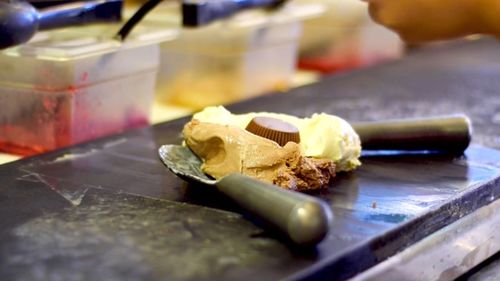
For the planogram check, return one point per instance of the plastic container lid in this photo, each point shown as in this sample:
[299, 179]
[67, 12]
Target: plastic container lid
[81, 56]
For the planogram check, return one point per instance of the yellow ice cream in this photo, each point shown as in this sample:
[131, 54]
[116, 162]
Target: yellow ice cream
[321, 135]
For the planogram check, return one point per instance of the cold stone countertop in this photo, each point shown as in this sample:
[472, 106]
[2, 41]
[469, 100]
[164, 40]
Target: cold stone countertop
[109, 209]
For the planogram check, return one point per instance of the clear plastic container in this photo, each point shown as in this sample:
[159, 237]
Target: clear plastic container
[250, 54]
[74, 85]
[344, 37]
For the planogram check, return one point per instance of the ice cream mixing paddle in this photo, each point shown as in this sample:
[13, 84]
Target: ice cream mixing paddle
[19, 20]
[302, 218]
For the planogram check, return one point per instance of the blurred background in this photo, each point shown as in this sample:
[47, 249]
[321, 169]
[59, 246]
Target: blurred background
[76, 78]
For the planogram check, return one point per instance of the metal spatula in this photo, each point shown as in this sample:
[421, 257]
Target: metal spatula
[302, 218]
[19, 20]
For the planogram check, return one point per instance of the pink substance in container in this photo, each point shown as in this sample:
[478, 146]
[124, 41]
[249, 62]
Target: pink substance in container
[71, 87]
[76, 115]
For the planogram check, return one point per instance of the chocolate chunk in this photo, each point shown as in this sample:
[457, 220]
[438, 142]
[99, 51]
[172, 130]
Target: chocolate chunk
[274, 129]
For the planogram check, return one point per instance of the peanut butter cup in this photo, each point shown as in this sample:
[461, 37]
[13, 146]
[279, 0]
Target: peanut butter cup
[274, 129]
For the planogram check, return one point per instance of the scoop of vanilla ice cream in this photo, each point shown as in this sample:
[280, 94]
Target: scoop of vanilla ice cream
[321, 135]
[328, 136]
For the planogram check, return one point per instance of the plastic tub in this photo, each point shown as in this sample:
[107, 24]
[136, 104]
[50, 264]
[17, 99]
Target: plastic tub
[252, 53]
[70, 86]
[344, 37]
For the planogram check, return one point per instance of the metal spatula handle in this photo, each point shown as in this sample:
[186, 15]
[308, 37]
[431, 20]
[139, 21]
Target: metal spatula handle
[447, 133]
[80, 13]
[197, 13]
[303, 218]
[19, 20]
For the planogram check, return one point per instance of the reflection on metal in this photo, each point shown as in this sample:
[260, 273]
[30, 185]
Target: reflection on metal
[446, 254]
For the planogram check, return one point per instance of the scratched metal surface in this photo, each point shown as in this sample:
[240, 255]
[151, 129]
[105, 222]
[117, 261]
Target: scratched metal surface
[109, 210]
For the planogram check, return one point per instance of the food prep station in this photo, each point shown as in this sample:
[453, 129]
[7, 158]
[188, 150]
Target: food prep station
[89, 198]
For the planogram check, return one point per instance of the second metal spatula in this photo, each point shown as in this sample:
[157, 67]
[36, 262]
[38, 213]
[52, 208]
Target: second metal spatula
[20, 21]
[445, 134]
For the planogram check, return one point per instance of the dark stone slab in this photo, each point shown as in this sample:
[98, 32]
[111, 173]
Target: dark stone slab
[109, 210]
